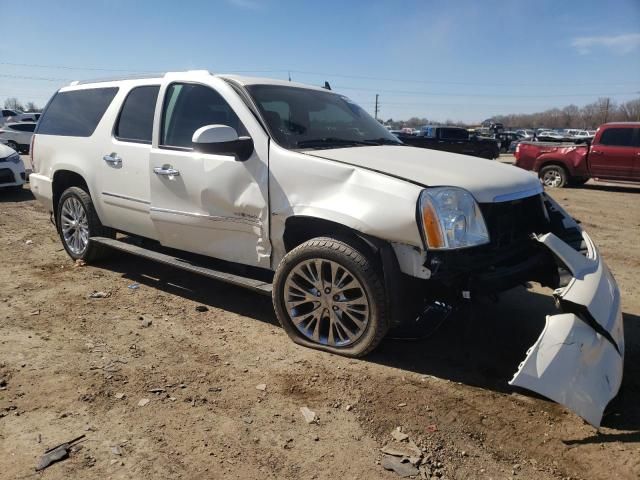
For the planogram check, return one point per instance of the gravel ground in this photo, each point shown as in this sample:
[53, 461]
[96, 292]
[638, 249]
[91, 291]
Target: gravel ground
[162, 390]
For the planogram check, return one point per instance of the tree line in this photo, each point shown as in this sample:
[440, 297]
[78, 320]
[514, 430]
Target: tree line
[588, 117]
[13, 103]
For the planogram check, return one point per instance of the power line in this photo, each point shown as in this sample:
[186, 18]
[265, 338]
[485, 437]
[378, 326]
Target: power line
[449, 82]
[451, 94]
[326, 75]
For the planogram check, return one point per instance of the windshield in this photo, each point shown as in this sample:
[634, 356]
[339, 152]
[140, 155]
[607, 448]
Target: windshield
[305, 118]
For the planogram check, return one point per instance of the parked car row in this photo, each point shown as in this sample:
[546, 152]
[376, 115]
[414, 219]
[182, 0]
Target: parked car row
[17, 135]
[16, 129]
[452, 139]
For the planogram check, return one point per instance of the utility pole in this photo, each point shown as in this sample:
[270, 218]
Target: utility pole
[606, 111]
[376, 109]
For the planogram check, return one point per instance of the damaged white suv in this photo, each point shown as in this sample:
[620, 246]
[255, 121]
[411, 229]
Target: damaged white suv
[309, 199]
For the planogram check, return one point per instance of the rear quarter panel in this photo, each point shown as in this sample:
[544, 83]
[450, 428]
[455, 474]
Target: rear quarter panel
[531, 156]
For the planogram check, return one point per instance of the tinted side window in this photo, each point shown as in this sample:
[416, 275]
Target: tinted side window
[76, 113]
[620, 137]
[135, 123]
[29, 127]
[454, 134]
[188, 107]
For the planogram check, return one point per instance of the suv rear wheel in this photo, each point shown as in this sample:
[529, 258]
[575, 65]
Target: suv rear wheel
[328, 295]
[77, 221]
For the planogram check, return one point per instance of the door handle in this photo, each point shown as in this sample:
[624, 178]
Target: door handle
[113, 159]
[167, 171]
[596, 152]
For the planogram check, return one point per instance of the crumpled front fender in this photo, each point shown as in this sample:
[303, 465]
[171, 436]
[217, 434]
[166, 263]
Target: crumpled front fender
[578, 359]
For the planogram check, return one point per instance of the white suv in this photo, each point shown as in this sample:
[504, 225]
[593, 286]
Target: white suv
[348, 229]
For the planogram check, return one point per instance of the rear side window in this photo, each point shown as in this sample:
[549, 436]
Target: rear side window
[135, 123]
[187, 107]
[76, 113]
[23, 127]
[619, 137]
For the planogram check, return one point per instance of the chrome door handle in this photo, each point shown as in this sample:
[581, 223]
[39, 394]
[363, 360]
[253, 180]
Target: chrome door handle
[166, 170]
[596, 152]
[113, 159]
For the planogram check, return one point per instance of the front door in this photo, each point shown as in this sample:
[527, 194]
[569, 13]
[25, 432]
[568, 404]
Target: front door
[614, 154]
[205, 203]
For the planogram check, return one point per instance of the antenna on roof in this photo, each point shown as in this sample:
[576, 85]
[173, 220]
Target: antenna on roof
[289, 76]
[327, 86]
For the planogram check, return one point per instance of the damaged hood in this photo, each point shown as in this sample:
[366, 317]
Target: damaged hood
[488, 181]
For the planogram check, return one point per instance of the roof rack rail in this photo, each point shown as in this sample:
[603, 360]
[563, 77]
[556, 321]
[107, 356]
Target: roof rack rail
[115, 79]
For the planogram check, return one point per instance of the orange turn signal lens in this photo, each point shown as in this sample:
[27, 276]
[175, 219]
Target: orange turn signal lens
[431, 225]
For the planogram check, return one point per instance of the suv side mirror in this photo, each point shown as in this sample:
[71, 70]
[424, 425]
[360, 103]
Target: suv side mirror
[222, 140]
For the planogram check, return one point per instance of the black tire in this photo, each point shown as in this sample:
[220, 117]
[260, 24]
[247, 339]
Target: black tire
[554, 176]
[92, 251]
[357, 262]
[13, 145]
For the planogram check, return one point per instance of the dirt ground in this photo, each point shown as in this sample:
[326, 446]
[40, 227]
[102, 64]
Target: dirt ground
[71, 365]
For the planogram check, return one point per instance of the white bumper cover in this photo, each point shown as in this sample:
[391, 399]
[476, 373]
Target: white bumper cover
[577, 361]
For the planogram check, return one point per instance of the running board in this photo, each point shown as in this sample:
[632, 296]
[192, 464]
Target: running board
[250, 283]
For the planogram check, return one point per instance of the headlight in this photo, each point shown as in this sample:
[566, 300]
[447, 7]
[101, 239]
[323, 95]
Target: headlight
[14, 157]
[451, 218]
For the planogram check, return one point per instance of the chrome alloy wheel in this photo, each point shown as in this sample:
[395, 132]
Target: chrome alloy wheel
[326, 302]
[74, 225]
[552, 178]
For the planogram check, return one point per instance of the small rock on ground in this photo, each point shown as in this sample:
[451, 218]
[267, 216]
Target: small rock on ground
[403, 469]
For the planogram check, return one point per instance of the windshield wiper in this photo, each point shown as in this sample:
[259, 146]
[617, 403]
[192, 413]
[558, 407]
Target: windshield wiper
[328, 142]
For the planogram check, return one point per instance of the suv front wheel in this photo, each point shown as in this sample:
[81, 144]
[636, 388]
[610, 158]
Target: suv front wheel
[328, 295]
[77, 221]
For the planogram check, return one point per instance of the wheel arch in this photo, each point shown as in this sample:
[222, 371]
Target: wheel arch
[546, 161]
[63, 179]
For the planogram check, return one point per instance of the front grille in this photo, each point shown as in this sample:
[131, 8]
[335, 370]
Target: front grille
[514, 221]
[6, 176]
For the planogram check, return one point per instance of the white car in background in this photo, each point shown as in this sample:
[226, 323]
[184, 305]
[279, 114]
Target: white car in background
[12, 174]
[7, 114]
[26, 117]
[17, 135]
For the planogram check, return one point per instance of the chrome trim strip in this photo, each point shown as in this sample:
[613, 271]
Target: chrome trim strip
[518, 195]
[214, 218]
[124, 197]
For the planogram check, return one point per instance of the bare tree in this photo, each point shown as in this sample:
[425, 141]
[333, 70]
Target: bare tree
[13, 103]
[630, 111]
[31, 107]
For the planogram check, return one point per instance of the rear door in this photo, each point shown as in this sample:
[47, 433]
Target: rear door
[614, 154]
[203, 203]
[123, 173]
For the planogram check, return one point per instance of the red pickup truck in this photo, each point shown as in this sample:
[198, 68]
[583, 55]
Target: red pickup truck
[614, 154]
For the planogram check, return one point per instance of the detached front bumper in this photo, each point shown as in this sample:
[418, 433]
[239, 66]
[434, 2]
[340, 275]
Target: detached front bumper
[578, 359]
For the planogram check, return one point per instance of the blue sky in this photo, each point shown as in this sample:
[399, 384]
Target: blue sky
[458, 60]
